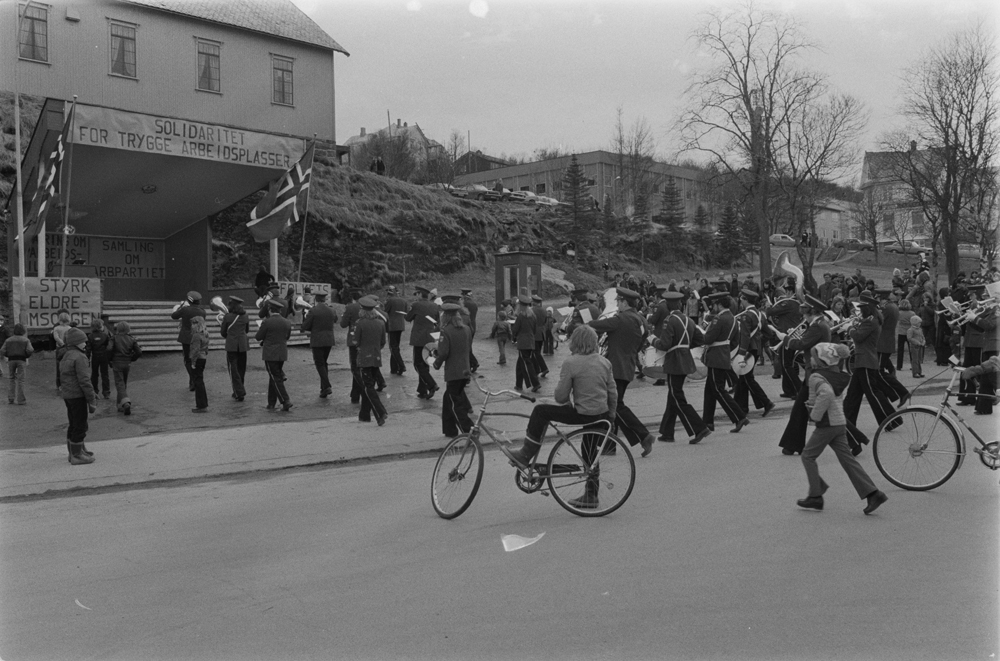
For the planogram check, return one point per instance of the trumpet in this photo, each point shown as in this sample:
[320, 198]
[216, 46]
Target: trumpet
[217, 304]
[793, 334]
[847, 323]
[972, 313]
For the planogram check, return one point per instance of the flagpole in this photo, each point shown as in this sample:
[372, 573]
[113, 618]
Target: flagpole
[69, 181]
[305, 216]
[19, 313]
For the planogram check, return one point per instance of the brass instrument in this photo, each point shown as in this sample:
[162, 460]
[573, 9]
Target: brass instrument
[784, 265]
[217, 304]
[301, 303]
[847, 323]
[972, 313]
[183, 304]
[264, 299]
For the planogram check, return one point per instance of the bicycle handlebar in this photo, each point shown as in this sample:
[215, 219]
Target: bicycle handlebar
[475, 379]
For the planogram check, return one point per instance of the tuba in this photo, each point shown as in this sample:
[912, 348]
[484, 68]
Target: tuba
[301, 303]
[784, 265]
[217, 304]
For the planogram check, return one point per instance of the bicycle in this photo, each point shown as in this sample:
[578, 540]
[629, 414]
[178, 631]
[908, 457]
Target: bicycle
[578, 458]
[920, 447]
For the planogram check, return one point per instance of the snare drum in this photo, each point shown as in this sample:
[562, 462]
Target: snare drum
[652, 363]
[700, 369]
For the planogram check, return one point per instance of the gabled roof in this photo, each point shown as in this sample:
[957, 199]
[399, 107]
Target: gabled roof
[278, 18]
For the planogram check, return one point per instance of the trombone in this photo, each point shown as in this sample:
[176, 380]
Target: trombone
[793, 334]
[973, 312]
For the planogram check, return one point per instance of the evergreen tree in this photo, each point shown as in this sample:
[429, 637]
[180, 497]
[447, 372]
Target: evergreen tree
[578, 224]
[672, 218]
[729, 245]
[702, 235]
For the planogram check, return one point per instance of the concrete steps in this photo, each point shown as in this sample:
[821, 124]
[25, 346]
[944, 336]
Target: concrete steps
[151, 324]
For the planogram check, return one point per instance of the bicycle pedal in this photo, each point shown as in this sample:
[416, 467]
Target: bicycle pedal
[544, 493]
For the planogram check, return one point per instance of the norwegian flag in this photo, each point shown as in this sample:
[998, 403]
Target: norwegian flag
[280, 207]
[47, 190]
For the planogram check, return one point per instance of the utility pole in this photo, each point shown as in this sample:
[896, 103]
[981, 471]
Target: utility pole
[759, 172]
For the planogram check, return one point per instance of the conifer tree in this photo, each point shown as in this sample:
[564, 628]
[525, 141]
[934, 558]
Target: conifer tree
[729, 244]
[672, 218]
[578, 223]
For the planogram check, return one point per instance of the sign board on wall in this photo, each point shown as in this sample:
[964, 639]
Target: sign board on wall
[317, 287]
[116, 129]
[108, 257]
[44, 297]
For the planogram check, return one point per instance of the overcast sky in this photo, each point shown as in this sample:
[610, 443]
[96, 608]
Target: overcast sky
[519, 76]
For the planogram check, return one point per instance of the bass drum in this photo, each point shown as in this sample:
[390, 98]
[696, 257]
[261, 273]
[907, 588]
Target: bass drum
[700, 369]
[651, 361]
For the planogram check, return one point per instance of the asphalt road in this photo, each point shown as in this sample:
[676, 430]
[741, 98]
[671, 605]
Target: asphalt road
[709, 559]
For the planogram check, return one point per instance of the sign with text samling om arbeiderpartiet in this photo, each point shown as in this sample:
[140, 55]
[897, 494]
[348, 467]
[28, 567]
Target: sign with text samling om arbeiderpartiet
[132, 131]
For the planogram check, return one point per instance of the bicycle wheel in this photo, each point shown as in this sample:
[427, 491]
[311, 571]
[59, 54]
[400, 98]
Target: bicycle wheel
[920, 453]
[596, 491]
[457, 475]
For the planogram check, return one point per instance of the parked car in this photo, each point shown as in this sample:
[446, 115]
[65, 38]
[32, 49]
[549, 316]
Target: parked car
[447, 188]
[969, 250]
[782, 240]
[852, 244]
[910, 248]
[544, 201]
[480, 192]
[525, 196]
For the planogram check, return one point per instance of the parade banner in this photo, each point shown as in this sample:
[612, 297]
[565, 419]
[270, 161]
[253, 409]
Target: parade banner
[116, 129]
[44, 297]
[101, 256]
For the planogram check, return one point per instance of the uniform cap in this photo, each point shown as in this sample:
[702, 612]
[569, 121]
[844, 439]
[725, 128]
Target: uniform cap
[672, 295]
[592, 297]
[320, 297]
[524, 299]
[712, 298]
[536, 298]
[814, 303]
[421, 290]
[451, 298]
[451, 307]
[235, 299]
[368, 302]
[273, 285]
[275, 303]
[719, 283]
[868, 297]
[193, 296]
[74, 337]
[627, 293]
[580, 292]
[466, 291]
[749, 294]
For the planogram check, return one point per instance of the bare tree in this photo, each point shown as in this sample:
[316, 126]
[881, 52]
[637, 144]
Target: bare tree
[950, 100]
[867, 216]
[634, 149]
[813, 145]
[737, 108]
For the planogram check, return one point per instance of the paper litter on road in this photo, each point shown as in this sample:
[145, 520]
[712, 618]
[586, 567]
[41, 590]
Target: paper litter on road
[81, 605]
[515, 542]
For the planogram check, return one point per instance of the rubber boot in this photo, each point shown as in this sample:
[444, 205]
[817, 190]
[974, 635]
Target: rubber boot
[76, 456]
[521, 457]
[84, 450]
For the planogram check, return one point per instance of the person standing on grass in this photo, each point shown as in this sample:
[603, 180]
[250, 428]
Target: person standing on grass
[125, 350]
[78, 395]
[827, 385]
[17, 350]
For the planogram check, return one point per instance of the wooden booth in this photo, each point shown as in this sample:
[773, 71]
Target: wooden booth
[517, 272]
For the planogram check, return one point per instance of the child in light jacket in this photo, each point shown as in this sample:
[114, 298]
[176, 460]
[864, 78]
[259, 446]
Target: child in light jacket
[915, 338]
[827, 385]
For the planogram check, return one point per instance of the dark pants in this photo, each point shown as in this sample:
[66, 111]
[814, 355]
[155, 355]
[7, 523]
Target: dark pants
[186, 351]
[747, 387]
[276, 383]
[396, 364]
[794, 436]
[357, 383]
[942, 343]
[987, 387]
[865, 384]
[236, 362]
[625, 420]
[970, 358]
[548, 344]
[893, 389]
[901, 345]
[198, 378]
[543, 414]
[678, 407]
[525, 373]
[455, 409]
[76, 413]
[320, 356]
[715, 392]
[790, 381]
[370, 402]
[99, 363]
[540, 365]
[836, 438]
[121, 385]
[426, 385]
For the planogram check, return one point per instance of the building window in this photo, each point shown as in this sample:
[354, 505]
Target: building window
[208, 66]
[123, 50]
[591, 181]
[539, 189]
[917, 220]
[33, 39]
[282, 76]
